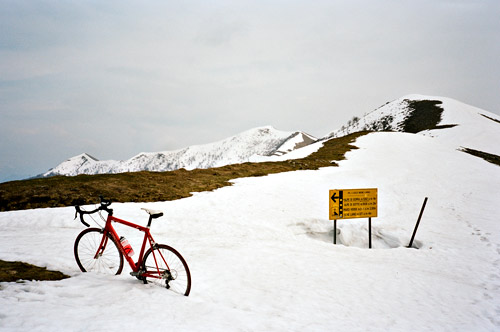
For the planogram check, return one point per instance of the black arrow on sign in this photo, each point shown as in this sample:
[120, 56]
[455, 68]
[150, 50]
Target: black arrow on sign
[334, 198]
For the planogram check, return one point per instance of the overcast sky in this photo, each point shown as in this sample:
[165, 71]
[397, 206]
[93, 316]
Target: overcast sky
[115, 78]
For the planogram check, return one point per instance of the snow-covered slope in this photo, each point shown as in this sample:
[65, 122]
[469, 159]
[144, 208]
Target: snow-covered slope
[451, 122]
[261, 253]
[262, 258]
[296, 141]
[240, 148]
[459, 125]
[475, 128]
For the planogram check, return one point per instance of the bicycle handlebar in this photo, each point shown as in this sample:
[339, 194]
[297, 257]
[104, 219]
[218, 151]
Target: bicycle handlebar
[104, 206]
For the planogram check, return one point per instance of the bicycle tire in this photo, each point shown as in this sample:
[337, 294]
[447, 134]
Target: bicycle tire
[86, 246]
[175, 274]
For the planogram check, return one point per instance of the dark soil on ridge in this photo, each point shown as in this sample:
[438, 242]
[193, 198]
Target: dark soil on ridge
[424, 115]
[489, 157]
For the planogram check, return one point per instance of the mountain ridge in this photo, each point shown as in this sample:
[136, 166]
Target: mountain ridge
[449, 121]
[454, 123]
[263, 141]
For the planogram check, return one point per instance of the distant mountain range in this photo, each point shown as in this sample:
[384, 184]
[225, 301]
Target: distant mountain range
[263, 141]
[452, 122]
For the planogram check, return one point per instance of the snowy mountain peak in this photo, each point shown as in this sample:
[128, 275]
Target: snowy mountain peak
[296, 141]
[73, 165]
[452, 122]
[87, 157]
[393, 116]
[84, 157]
[261, 141]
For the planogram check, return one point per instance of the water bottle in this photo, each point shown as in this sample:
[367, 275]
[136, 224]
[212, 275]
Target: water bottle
[126, 246]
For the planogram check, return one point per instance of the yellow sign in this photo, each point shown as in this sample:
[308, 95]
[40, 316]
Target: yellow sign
[353, 203]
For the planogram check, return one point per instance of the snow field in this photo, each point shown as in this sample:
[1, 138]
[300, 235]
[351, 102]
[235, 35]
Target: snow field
[262, 259]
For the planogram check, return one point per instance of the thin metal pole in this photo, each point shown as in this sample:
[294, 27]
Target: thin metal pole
[370, 232]
[335, 231]
[418, 222]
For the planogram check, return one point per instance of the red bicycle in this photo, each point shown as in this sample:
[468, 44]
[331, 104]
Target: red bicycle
[102, 250]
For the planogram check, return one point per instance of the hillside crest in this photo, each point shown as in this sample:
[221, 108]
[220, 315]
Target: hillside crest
[452, 122]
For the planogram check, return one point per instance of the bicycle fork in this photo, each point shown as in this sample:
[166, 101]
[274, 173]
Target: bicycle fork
[102, 246]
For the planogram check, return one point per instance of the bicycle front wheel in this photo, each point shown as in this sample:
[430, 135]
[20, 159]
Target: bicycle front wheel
[164, 266]
[91, 257]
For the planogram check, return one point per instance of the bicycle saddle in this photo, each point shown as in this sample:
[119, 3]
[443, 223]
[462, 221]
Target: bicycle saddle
[153, 213]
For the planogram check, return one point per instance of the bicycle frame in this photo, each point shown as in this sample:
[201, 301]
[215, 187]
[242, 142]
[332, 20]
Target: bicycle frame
[99, 249]
[135, 266]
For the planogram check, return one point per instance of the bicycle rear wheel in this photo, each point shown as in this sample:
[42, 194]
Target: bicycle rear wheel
[108, 260]
[164, 266]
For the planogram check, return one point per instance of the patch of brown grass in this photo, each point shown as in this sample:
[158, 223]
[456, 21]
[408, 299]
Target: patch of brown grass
[14, 271]
[145, 186]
